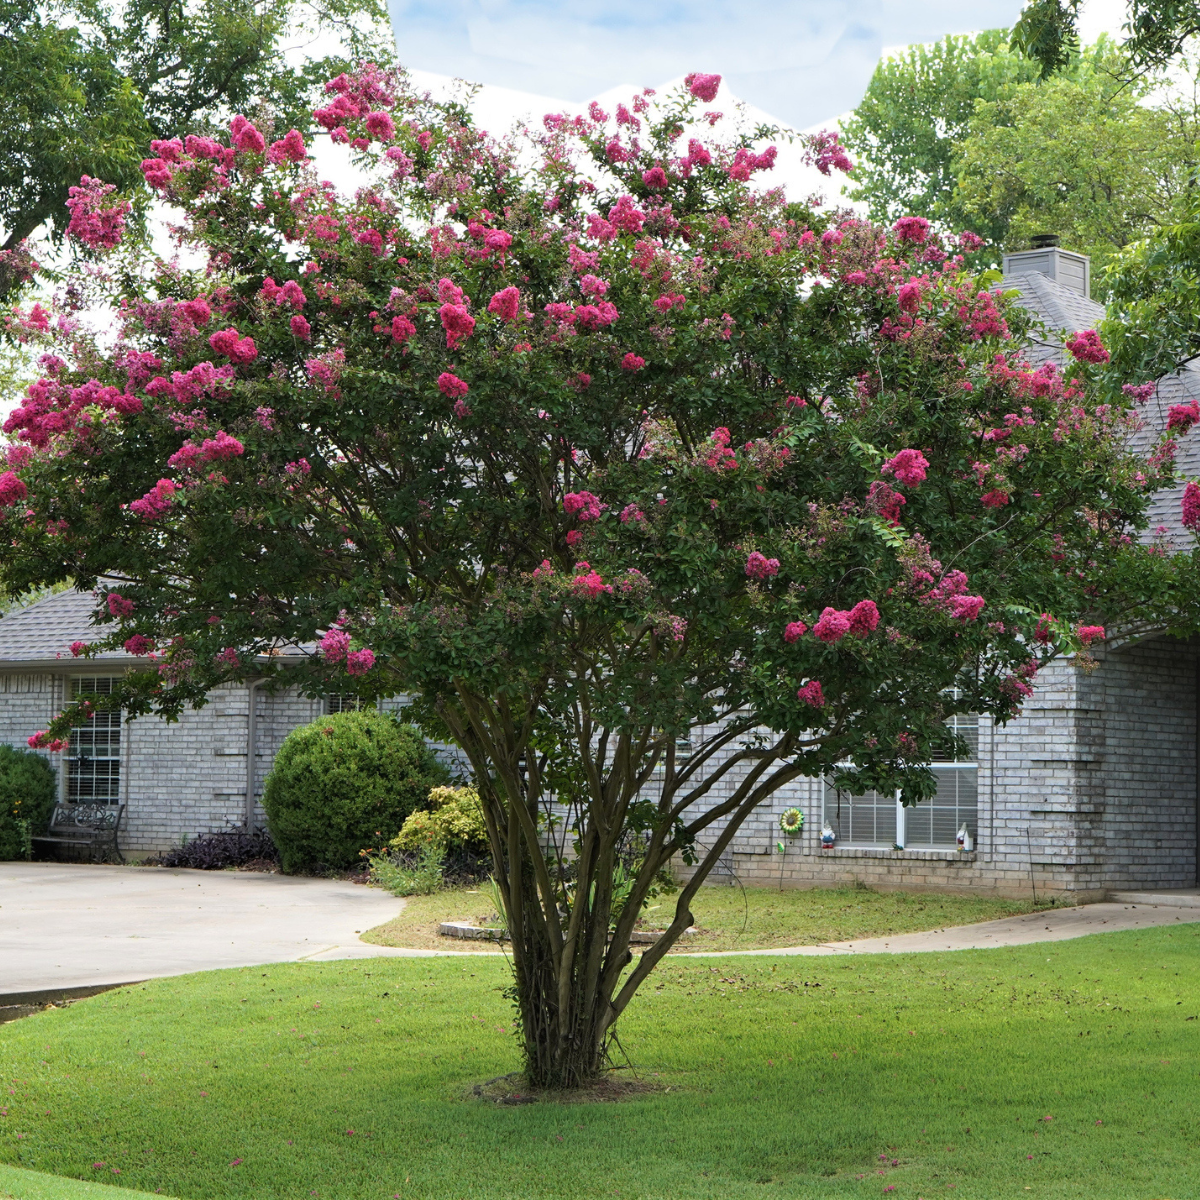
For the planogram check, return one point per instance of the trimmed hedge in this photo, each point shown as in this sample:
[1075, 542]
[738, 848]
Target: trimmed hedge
[343, 784]
[28, 790]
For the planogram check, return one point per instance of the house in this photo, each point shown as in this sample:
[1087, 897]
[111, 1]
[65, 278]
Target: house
[1093, 788]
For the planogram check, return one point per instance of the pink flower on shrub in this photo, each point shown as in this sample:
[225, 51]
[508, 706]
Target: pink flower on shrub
[462, 409]
[632, 514]
[911, 229]
[198, 311]
[1181, 417]
[221, 447]
[832, 626]
[335, 645]
[632, 362]
[655, 179]
[811, 694]
[118, 605]
[12, 490]
[909, 297]
[588, 583]
[969, 242]
[156, 501]
[908, 467]
[97, 225]
[359, 662]
[245, 137]
[864, 618]
[458, 324]
[1090, 633]
[77, 648]
[1087, 347]
[289, 148]
[583, 504]
[574, 536]
[994, 499]
[794, 631]
[825, 151]
[236, 348]
[380, 125]
[43, 741]
[758, 566]
[703, 87]
[1190, 506]
[139, 644]
[227, 658]
[300, 327]
[402, 329]
[506, 304]
[965, 608]
[885, 501]
[450, 385]
[592, 285]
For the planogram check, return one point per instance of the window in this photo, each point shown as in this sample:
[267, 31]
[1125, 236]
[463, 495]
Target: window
[875, 820]
[94, 752]
[337, 702]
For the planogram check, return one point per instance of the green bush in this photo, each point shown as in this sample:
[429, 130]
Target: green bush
[27, 793]
[453, 819]
[344, 783]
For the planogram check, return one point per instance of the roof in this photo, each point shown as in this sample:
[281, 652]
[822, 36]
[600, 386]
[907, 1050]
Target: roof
[42, 633]
[1068, 311]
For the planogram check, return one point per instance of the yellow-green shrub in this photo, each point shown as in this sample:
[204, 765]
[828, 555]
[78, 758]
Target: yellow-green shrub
[453, 819]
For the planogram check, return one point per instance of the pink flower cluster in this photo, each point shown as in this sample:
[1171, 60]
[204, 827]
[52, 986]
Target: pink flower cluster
[359, 662]
[632, 362]
[1191, 506]
[886, 501]
[1181, 417]
[12, 489]
[1090, 633]
[811, 694]
[451, 386]
[189, 456]
[703, 87]
[139, 644]
[118, 605]
[361, 96]
[458, 324]
[335, 645]
[914, 230]
[588, 317]
[965, 608]
[43, 741]
[245, 137]
[746, 162]
[289, 293]
[227, 658]
[833, 624]
[758, 566]
[584, 505]
[233, 346]
[98, 225]
[51, 408]
[794, 631]
[1087, 347]
[506, 304]
[908, 467]
[588, 583]
[826, 152]
[720, 457]
[289, 148]
[156, 501]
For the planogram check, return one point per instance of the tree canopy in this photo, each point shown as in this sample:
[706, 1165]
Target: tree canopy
[653, 491]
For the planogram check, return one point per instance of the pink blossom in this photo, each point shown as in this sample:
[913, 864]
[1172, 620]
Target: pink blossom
[1087, 347]
[588, 583]
[402, 329]
[359, 662]
[118, 605]
[236, 348]
[908, 467]
[451, 386]
[1190, 506]
[458, 324]
[1181, 417]
[811, 694]
[969, 242]
[587, 506]
[758, 566]
[95, 224]
[632, 514]
[12, 489]
[156, 173]
[43, 741]
[221, 447]
[198, 311]
[626, 215]
[334, 645]
[590, 285]
[864, 618]
[156, 501]
[300, 327]
[462, 409]
[380, 125]
[909, 297]
[227, 658]
[449, 292]
[832, 626]
[245, 137]
[825, 151]
[574, 536]
[966, 608]
[793, 631]
[698, 155]
[1090, 633]
[1139, 393]
[372, 238]
[139, 644]
[78, 648]
[289, 148]
[911, 229]
[632, 362]
[994, 499]
[655, 179]
[506, 304]
[498, 239]
[703, 87]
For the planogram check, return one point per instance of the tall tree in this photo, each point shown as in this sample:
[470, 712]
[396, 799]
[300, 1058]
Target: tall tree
[85, 84]
[654, 492]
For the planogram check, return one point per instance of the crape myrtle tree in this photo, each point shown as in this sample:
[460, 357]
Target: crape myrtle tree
[588, 447]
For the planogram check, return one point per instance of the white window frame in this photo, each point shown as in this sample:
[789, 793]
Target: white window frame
[114, 742]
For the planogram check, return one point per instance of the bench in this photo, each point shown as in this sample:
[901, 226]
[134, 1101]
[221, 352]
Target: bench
[92, 825]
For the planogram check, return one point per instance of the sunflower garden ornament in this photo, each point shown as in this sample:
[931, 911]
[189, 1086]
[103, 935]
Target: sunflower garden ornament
[791, 821]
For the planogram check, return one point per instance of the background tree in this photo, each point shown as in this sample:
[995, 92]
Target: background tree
[85, 84]
[654, 492]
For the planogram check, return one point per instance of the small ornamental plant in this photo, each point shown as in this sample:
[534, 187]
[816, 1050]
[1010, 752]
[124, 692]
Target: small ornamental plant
[593, 444]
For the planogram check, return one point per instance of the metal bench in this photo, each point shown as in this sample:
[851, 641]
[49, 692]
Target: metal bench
[92, 825]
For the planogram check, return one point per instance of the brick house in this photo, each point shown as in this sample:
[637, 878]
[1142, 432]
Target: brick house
[1092, 788]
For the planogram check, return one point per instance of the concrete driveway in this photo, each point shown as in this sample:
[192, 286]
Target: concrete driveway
[72, 926]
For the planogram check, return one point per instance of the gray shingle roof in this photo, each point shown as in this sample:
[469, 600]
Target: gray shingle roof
[44, 631]
[1060, 308]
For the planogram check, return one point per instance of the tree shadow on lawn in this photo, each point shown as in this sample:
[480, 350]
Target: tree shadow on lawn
[1065, 1068]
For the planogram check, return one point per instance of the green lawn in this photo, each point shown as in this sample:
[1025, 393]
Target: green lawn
[1060, 1070]
[18, 1184]
[731, 918]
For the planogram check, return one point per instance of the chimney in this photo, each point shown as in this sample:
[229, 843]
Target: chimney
[1067, 269]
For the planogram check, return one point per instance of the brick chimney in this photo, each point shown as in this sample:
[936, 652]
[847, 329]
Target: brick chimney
[1067, 269]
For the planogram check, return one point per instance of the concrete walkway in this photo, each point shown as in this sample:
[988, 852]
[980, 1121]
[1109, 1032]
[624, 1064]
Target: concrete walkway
[69, 926]
[65, 926]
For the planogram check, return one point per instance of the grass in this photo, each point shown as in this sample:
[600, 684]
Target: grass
[17, 1184]
[729, 918]
[1062, 1070]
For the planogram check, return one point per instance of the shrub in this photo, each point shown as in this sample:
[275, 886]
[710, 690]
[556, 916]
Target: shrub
[28, 790]
[216, 851]
[453, 818]
[417, 873]
[345, 782]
